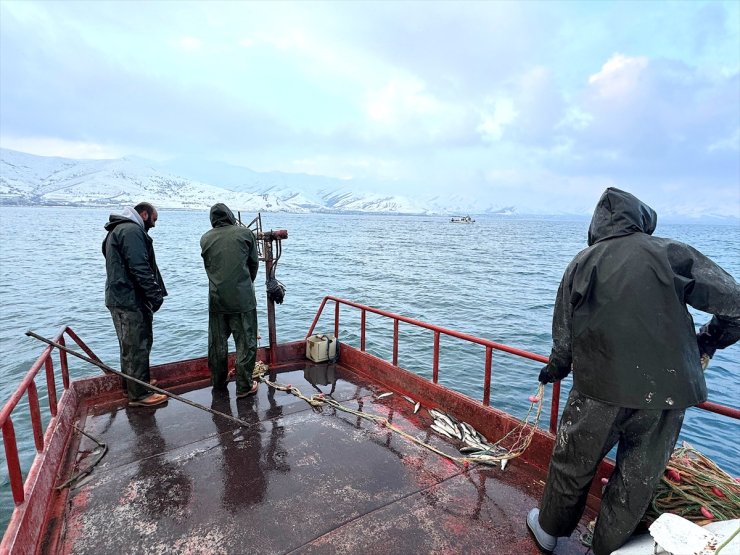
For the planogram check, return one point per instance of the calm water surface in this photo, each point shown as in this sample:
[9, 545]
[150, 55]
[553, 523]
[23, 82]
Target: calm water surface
[496, 279]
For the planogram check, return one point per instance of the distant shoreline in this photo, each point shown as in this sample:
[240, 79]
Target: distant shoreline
[673, 220]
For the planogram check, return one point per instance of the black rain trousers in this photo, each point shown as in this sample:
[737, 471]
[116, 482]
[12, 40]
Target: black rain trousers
[588, 431]
[135, 338]
[243, 326]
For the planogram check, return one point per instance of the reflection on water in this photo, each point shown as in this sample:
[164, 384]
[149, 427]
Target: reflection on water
[244, 480]
[321, 374]
[163, 488]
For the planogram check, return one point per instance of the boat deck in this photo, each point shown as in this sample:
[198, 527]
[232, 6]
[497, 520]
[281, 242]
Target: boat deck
[295, 479]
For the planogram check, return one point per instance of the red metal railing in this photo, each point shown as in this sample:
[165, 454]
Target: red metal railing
[490, 346]
[28, 385]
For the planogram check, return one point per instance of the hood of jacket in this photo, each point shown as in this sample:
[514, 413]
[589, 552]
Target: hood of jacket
[221, 215]
[620, 213]
[128, 215]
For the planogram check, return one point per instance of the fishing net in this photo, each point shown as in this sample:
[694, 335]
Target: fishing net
[695, 488]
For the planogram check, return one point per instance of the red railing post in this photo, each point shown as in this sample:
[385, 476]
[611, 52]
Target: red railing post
[51, 386]
[435, 363]
[489, 345]
[554, 407]
[63, 363]
[33, 405]
[319, 312]
[14, 465]
[487, 379]
[362, 329]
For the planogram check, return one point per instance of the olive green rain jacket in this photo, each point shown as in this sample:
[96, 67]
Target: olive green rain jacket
[230, 257]
[133, 280]
[620, 315]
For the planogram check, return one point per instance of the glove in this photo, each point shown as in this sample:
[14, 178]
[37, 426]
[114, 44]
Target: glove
[155, 306]
[545, 376]
[706, 342]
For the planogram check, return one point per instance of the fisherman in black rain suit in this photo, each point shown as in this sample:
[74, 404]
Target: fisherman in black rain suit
[134, 291]
[621, 323]
[230, 257]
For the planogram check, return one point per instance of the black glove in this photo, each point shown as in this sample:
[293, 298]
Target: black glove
[707, 343]
[155, 306]
[545, 376]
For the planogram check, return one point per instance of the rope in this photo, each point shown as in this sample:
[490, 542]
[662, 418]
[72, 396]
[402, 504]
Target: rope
[522, 433]
[695, 488]
[73, 480]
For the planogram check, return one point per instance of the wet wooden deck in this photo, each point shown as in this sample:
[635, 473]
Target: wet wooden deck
[294, 479]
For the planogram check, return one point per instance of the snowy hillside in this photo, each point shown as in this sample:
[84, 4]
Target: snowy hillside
[26, 179]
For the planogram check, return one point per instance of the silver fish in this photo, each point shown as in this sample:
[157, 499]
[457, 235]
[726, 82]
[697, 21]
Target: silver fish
[471, 449]
[417, 406]
[409, 399]
[435, 414]
[504, 462]
[386, 394]
[441, 431]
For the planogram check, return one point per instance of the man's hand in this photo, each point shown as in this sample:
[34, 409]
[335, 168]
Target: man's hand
[706, 342]
[545, 376]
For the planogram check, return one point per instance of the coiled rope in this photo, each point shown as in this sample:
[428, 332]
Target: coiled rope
[695, 488]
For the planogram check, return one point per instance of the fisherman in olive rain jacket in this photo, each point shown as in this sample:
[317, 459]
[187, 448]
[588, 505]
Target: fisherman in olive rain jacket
[622, 326]
[231, 261]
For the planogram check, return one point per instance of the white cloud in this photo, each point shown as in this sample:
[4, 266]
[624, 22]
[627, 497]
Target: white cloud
[190, 43]
[348, 167]
[48, 146]
[619, 77]
[494, 121]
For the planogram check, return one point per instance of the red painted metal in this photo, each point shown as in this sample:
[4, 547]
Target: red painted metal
[720, 409]
[37, 426]
[336, 320]
[487, 378]
[435, 363]
[271, 328]
[13, 462]
[712, 407]
[51, 385]
[554, 407]
[74, 337]
[63, 364]
[363, 313]
[28, 385]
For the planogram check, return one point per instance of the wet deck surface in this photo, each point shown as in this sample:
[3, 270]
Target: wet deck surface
[295, 479]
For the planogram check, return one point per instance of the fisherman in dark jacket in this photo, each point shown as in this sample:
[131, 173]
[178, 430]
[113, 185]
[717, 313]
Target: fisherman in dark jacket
[231, 261]
[134, 291]
[621, 325]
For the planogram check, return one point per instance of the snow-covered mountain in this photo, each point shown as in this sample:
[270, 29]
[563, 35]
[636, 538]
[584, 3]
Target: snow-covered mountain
[26, 179]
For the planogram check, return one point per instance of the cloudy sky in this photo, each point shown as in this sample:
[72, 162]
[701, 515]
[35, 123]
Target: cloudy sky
[539, 104]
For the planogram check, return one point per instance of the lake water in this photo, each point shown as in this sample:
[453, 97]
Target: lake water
[496, 279]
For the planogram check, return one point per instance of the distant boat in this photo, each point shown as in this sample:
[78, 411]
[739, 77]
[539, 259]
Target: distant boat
[463, 220]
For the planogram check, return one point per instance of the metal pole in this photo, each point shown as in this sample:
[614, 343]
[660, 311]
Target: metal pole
[132, 379]
[272, 332]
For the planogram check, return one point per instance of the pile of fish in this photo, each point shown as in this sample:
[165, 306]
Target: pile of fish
[476, 446]
[476, 449]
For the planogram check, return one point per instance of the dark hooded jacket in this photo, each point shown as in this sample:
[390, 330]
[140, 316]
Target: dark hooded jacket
[230, 257]
[620, 315]
[133, 279]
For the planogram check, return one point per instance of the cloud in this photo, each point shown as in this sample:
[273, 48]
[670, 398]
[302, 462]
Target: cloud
[433, 95]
